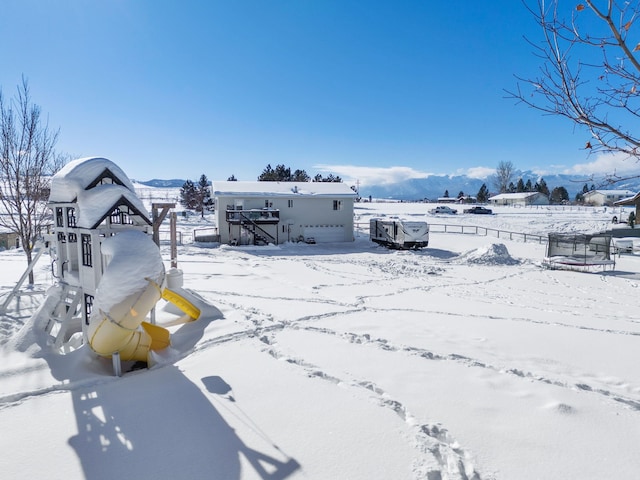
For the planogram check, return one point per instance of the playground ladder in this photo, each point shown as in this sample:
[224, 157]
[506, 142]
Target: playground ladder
[66, 315]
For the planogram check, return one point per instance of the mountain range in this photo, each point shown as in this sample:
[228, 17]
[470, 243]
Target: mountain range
[434, 186]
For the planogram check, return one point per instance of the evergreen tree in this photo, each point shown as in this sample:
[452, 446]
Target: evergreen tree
[542, 187]
[520, 186]
[446, 194]
[528, 187]
[232, 178]
[460, 194]
[559, 195]
[300, 176]
[483, 194]
[188, 195]
[203, 195]
[283, 173]
[267, 175]
[329, 178]
[512, 188]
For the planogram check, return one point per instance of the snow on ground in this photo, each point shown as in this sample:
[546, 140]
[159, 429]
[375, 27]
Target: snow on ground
[465, 360]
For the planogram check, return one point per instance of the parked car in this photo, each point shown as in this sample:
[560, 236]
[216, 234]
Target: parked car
[444, 210]
[479, 210]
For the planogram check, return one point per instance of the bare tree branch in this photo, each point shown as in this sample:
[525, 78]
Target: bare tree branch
[27, 160]
[589, 72]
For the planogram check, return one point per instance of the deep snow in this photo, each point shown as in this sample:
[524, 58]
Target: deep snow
[463, 360]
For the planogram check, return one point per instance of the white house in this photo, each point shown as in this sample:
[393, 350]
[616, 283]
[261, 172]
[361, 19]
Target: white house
[606, 197]
[520, 199]
[250, 213]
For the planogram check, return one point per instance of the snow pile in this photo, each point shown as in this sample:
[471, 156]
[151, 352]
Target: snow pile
[494, 254]
[133, 258]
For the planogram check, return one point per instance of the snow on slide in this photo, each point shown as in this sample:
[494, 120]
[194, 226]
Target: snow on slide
[129, 289]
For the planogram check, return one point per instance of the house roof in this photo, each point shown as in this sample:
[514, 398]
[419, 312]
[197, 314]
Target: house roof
[283, 189]
[626, 193]
[632, 200]
[514, 196]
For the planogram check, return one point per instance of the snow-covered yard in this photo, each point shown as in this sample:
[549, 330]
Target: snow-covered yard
[465, 360]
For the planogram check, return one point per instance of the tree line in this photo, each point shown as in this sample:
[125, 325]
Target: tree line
[503, 182]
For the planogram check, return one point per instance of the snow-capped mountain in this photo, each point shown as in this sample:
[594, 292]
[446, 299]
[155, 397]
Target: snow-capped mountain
[434, 186]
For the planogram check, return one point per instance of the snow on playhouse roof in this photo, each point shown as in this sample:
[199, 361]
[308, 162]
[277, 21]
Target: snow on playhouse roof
[261, 189]
[79, 181]
[95, 204]
[79, 175]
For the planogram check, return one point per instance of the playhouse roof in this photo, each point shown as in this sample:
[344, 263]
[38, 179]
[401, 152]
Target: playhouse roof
[261, 189]
[99, 202]
[82, 181]
[82, 174]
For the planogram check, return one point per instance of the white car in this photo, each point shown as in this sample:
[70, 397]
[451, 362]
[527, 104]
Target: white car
[443, 209]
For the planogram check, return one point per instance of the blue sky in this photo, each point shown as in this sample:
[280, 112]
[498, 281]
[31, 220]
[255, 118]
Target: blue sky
[374, 90]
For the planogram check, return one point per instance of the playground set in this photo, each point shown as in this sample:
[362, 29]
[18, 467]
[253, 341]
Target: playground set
[108, 270]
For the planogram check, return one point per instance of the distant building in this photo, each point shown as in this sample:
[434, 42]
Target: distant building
[633, 200]
[253, 213]
[447, 200]
[606, 197]
[521, 199]
[9, 240]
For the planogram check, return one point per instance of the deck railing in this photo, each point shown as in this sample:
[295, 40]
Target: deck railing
[256, 215]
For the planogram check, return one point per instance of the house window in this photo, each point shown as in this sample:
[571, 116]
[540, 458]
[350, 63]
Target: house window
[88, 307]
[62, 238]
[59, 217]
[71, 217]
[73, 238]
[86, 250]
[337, 204]
[290, 203]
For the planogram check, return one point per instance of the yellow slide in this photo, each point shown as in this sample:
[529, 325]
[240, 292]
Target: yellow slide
[118, 330]
[179, 300]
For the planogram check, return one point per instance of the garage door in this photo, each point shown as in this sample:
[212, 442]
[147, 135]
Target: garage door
[324, 233]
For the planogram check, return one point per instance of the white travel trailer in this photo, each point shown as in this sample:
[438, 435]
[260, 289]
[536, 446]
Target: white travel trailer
[399, 233]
